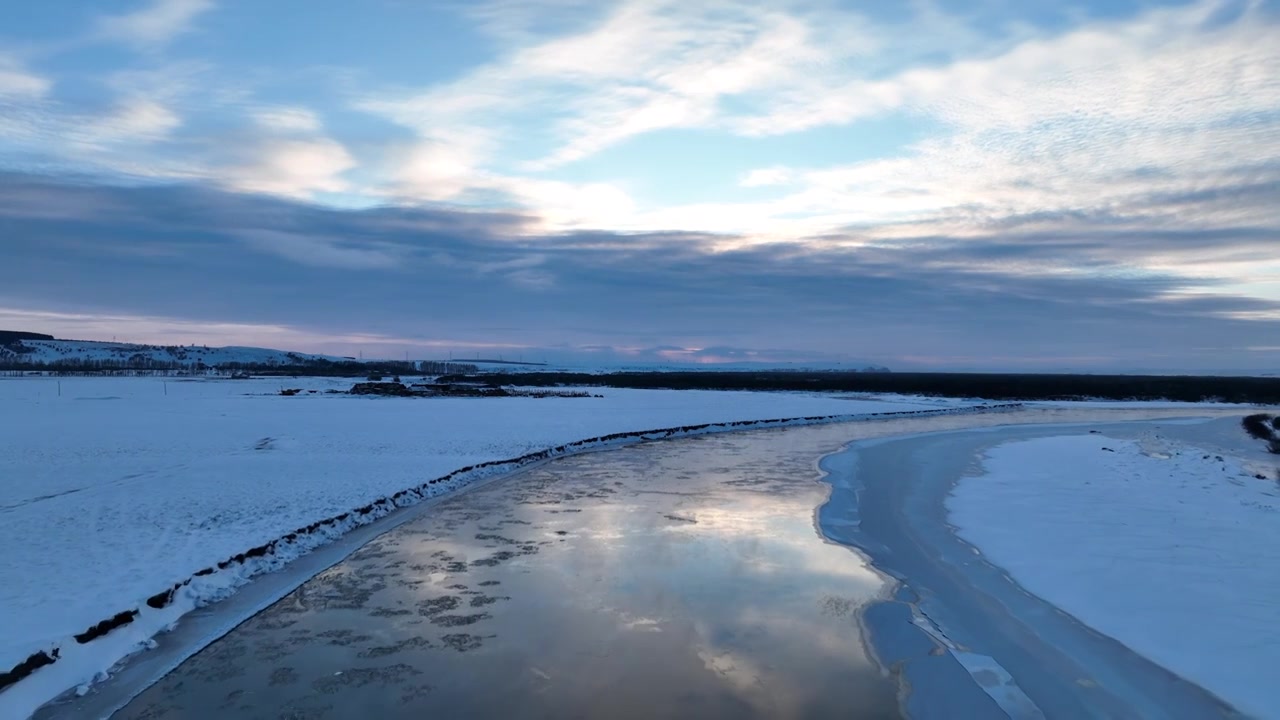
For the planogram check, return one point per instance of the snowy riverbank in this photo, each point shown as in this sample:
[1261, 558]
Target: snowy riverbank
[1165, 540]
[1081, 582]
[118, 490]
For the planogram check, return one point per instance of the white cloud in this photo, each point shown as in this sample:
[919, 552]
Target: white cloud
[660, 66]
[646, 65]
[763, 177]
[1106, 120]
[1096, 119]
[437, 170]
[18, 82]
[1084, 119]
[281, 150]
[449, 167]
[122, 138]
[557, 205]
[134, 119]
[288, 119]
[154, 25]
[609, 118]
[287, 154]
[566, 206]
[1161, 68]
[296, 168]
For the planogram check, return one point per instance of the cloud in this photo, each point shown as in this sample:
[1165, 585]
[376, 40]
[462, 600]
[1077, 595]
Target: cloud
[1099, 115]
[319, 251]
[135, 119]
[1123, 68]
[441, 171]
[286, 153]
[288, 119]
[214, 257]
[763, 177]
[564, 206]
[658, 66]
[157, 126]
[1093, 115]
[1153, 120]
[296, 168]
[528, 271]
[155, 25]
[132, 123]
[17, 81]
[436, 170]
[1059, 166]
[653, 65]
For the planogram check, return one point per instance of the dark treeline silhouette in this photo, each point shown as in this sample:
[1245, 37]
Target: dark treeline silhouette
[350, 368]
[991, 386]
[90, 365]
[8, 337]
[431, 367]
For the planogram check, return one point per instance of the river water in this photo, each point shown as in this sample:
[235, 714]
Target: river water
[672, 579]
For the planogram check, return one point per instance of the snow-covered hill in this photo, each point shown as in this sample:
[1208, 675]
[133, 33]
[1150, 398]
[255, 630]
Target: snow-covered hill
[20, 351]
[54, 352]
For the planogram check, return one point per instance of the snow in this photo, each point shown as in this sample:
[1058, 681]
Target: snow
[1137, 404]
[52, 351]
[115, 489]
[1168, 548]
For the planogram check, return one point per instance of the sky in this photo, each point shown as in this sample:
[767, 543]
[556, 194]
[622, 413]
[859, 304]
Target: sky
[932, 184]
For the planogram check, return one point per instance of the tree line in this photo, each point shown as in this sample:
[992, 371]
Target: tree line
[990, 386]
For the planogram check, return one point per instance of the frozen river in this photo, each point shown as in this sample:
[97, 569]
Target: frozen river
[688, 578]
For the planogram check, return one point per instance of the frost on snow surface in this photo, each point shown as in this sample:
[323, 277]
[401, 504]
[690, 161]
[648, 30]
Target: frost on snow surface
[1172, 550]
[116, 489]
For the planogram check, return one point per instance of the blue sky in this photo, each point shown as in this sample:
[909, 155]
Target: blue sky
[934, 184]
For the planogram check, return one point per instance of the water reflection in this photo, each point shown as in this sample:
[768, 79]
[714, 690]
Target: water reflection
[665, 580]
[675, 579]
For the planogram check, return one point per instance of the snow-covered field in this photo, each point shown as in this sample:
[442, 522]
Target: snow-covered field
[1171, 548]
[115, 489]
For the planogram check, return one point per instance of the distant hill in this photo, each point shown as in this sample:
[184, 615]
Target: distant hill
[35, 352]
[49, 351]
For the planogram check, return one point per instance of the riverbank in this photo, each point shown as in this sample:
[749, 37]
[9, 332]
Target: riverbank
[1034, 660]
